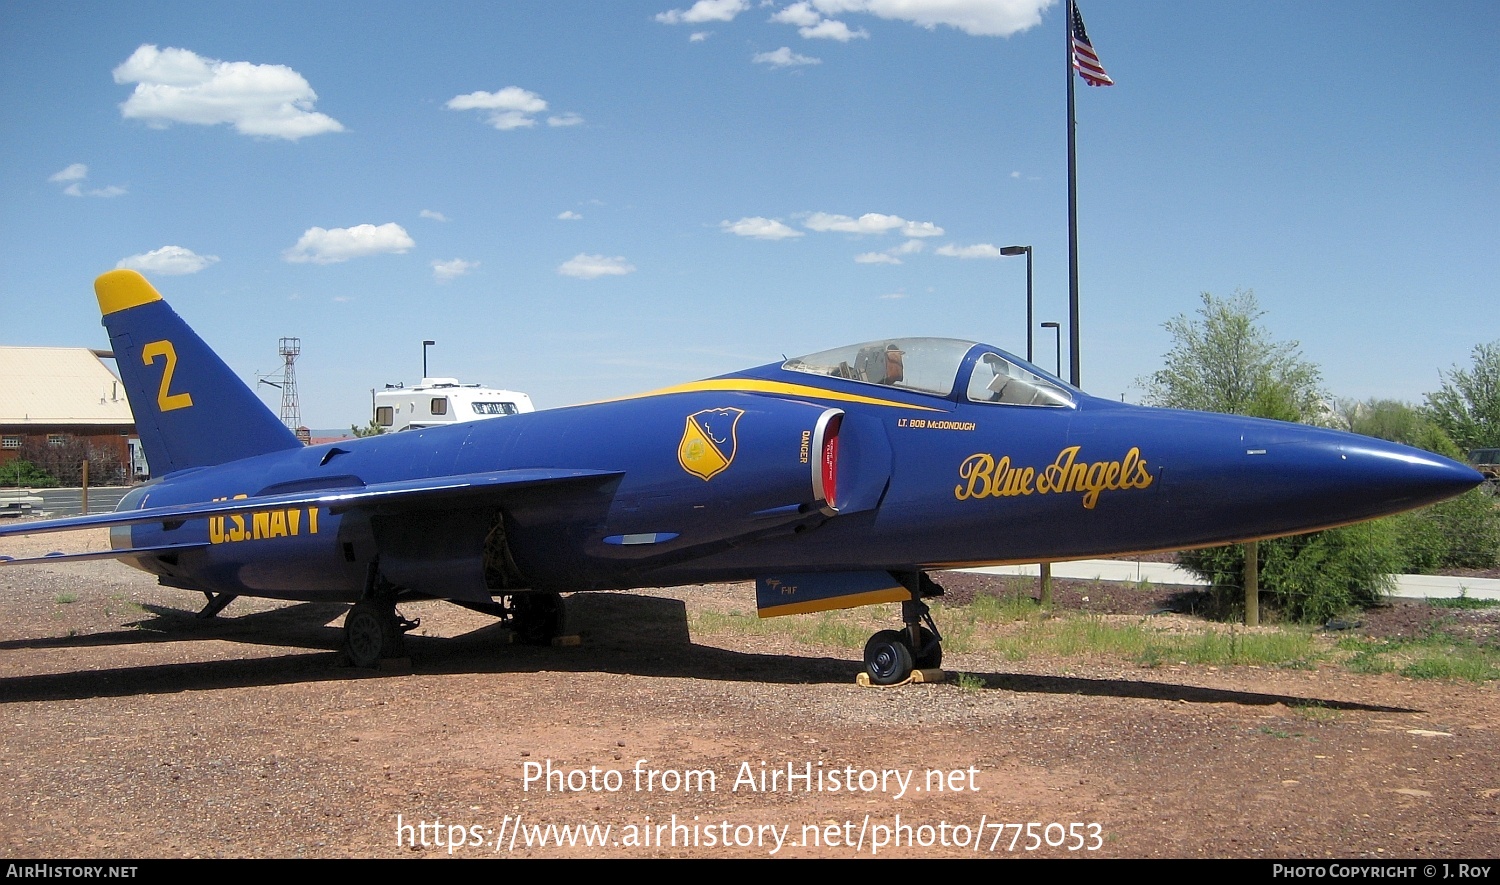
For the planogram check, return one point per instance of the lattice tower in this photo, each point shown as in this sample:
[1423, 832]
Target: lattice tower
[291, 409]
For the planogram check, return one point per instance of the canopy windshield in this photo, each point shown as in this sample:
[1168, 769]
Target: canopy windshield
[933, 365]
[929, 365]
[997, 379]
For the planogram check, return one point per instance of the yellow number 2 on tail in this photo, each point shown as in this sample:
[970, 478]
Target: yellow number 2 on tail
[165, 401]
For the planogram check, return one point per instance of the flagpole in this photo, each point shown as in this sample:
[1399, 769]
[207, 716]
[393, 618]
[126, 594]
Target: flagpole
[1072, 207]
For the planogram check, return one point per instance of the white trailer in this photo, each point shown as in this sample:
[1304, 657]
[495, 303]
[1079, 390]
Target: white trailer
[439, 401]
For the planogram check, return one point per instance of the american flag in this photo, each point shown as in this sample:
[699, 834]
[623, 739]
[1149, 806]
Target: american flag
[1085, 62]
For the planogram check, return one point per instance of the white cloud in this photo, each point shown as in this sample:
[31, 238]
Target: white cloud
[759, 228]
[827, 221]
[443, 271]
[698, 36]
[813, 26]
[978, 250]
[783, 58]
[320, 246]
[832, 29]
[75, 172]
[892, 296]
[704, 11]
[180, 86]
[588, 267]
[434, 216]
[76, 190]
[980, 18]
[568, 215]
[799, 14]
[870, 223]
[910, 247]
[510, 108]
[921, 229]
[168, 261]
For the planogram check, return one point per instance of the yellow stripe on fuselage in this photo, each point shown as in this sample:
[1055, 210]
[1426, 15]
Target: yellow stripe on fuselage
[829, 603]
[777, 388]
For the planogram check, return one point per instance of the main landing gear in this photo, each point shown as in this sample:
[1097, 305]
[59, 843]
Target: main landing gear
[892, 655]
[535, 617]
[374, 631]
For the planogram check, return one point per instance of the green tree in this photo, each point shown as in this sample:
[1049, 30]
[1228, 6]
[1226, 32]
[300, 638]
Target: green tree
[371, 429]
[1462, 532]
[1396, 421]
[1467, 406]
[25, 474]
[1223, 360]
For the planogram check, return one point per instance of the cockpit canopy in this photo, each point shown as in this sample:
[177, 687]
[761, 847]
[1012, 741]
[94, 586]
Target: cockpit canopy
[937, 366]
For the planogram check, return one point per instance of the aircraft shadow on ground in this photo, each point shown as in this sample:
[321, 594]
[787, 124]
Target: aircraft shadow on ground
[625, 634]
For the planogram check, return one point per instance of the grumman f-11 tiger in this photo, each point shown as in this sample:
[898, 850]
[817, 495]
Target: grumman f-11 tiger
[831, 480]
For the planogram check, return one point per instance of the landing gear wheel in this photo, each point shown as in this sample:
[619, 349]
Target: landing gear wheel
[371, 632]
[888, 659]
[538, 617]
[933, 659]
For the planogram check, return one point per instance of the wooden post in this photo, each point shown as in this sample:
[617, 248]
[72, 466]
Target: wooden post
[1252, 584]
[1044, 585]
[85, 509]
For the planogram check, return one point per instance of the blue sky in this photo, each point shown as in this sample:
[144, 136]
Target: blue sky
[583, 200]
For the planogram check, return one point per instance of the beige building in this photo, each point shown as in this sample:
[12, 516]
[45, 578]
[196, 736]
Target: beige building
[61, 396]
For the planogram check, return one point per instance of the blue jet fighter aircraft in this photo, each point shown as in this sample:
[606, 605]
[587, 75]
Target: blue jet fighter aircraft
[832, 480]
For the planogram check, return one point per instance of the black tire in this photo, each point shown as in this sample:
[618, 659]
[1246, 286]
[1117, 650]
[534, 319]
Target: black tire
[888, 658]
[370, 634]
[934, 658]
[538, 617]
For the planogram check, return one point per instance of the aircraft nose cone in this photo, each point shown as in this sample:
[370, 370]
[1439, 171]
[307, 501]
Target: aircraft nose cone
[1399, 476]
[1270, 478]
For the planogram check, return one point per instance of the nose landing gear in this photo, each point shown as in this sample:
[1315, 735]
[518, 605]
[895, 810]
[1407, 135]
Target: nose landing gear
[892, 655]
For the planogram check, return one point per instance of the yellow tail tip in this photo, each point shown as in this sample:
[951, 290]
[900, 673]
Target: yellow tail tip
[121, 290]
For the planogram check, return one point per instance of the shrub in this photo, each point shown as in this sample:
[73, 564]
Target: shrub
[1462, 532]
[1312, 577]
[26, 474]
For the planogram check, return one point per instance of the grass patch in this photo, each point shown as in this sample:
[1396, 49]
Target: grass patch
[67, 598]
[970, 682]
[1016, 628]
[1463, 602]
[1432, 657]
[1083, 635]
[1314, 711]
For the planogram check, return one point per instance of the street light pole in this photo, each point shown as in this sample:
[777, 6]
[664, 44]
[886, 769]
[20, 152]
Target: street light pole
[1057, 333]
[425, 345]
[1018, 250]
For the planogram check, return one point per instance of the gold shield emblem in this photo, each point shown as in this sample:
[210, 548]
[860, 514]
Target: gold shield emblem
[708, 442]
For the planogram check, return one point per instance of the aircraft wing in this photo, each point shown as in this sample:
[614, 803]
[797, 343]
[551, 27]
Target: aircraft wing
[425, 490]
[102, 554]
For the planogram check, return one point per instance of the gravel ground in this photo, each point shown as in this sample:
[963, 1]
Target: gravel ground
[131, 729]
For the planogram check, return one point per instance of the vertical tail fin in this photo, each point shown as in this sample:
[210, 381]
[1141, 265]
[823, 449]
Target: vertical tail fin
[190, 409]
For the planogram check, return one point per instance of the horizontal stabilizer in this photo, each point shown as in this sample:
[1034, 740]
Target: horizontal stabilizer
[795, 594]
[425, 491]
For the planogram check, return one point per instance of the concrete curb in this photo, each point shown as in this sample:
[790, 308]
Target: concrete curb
[1407, 586]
